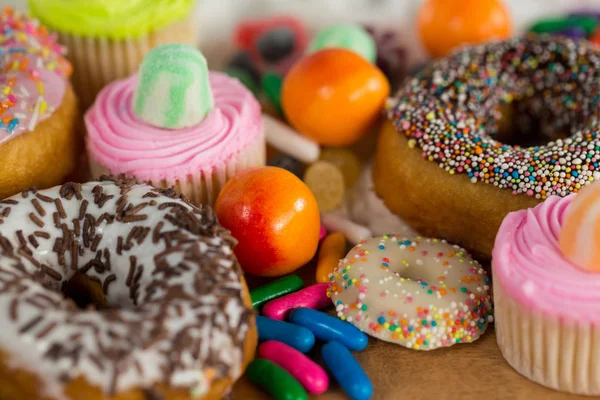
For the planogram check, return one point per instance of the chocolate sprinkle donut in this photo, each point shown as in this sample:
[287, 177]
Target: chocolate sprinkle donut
[174, 311]
[450, 111]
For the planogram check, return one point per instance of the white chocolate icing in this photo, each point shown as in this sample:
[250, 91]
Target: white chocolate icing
[419, 293]
[176, 317]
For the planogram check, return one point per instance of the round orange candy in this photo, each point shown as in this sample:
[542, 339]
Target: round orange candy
[275, 218]
[447, 24]
[333, 96]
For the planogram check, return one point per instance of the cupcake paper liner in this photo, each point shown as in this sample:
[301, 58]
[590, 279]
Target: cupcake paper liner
[560, 354]
[204, 187]
[99, 61]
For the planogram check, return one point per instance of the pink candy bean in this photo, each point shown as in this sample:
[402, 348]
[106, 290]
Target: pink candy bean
[306, 371]
[314, 296]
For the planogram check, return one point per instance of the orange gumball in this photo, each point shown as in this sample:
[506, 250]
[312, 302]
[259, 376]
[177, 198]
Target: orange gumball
[447, 24]
[275, 218]
[333, 96]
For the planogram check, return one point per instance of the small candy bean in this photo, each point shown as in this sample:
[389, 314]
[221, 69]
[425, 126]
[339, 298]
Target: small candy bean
[353, 232]
[314, 296]
[322, 233]
[573, 32]
[331, 252]
[557, 25]
[298, 337]
[287, 140]
[347, 371]
[275, 289]
[306, 371]
[327, 328]
[271, 84]
[275, 380]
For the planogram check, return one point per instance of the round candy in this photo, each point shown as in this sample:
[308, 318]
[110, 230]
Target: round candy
[580, 232]
[326, 181]
[275, 218]
[275, 380]
[172, 89]
[288, 163]
[346, 161]
[447, 24]
[348, 36]
[242, 60]
[334, 96]
[276, 44]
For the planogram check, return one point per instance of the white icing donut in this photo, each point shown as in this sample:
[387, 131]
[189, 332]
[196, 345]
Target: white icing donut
[175, 313]
[420, 293]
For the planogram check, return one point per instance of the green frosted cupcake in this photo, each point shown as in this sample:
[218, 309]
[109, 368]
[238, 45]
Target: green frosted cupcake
[108, 39]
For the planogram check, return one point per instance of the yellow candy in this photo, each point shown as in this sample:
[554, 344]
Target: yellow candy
[326, 181]
[346, 161]
[331, 252]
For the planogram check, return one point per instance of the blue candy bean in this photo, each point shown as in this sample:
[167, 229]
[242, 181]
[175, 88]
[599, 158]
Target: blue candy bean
[347, 371]
[327, 328]
[295, 336]
[573, 32]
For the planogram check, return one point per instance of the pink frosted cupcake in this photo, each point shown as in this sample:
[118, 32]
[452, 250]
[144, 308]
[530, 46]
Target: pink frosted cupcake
[176, 124]
[547, 292]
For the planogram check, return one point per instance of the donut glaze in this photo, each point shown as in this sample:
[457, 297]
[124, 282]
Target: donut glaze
[450, 112]
[421, 293]
[123, 143]
[33, 74]
[173, 311]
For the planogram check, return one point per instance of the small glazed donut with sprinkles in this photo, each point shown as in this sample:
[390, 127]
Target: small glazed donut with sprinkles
[443, 159]
[419, 293]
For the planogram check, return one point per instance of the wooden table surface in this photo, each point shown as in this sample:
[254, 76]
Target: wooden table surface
[464, 371]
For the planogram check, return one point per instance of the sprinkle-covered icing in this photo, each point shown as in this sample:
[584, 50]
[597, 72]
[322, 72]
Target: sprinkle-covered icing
[528, 261]
[123, 143]
[419, 293]
[174, 309]
[450, 111]
[33, 74]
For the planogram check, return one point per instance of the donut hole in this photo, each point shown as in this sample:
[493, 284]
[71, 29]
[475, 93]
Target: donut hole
[523, 123]
[84, 291]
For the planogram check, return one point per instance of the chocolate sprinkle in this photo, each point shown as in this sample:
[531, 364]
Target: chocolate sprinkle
[184, 277]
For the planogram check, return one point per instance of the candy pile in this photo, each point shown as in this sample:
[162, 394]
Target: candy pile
[578, 24]
[282, 369]
[327, 90]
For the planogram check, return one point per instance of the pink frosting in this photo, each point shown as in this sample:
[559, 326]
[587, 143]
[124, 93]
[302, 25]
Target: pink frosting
[531, 267]
[123, 143]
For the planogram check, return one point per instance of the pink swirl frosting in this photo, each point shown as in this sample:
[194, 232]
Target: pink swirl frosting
[123, 143]
[530, 264]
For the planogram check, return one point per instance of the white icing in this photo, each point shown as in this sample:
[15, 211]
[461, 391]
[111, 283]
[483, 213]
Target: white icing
[213, 328]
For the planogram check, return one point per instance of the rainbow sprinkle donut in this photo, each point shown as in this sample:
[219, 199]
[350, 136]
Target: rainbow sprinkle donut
[449, 116]
[419, 293]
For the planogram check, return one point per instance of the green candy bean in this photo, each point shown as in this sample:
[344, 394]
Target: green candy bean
[589, 24]
[275, 380]
[275, 289]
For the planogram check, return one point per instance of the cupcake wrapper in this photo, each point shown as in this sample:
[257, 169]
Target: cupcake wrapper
[560, 354]
[99, 61]
[204, 187]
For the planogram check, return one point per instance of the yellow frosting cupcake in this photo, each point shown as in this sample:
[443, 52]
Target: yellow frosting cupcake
[107, 39]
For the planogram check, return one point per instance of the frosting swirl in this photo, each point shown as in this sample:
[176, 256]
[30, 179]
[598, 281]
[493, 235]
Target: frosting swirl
[123, 143]
[528, 261]
[116, 19]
